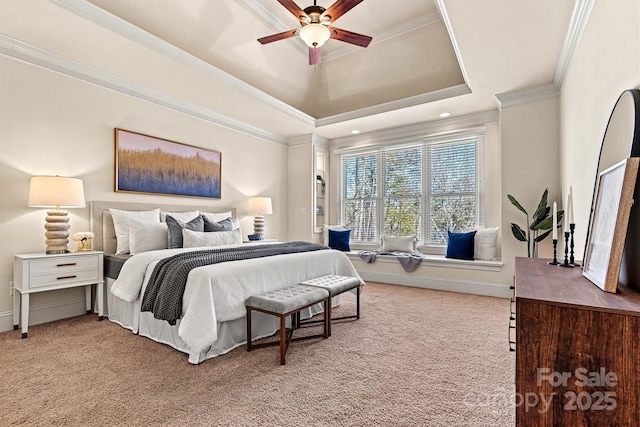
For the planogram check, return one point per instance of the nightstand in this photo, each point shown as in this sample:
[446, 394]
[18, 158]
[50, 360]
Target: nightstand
[39, 272]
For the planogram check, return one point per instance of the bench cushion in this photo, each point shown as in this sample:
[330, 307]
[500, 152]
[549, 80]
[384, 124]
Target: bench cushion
[333, 283]
[287, 300]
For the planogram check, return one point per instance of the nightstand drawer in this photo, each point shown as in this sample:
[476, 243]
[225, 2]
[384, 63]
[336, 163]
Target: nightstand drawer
[63, 277]
[60, 265]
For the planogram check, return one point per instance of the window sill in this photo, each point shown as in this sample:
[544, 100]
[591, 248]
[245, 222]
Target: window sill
[439, 261]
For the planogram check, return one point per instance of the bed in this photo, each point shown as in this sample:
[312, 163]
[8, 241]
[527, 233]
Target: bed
[213, 313]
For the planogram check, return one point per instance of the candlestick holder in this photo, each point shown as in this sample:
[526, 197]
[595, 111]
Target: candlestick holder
[555, 259]
[572, 228]
[566, 251]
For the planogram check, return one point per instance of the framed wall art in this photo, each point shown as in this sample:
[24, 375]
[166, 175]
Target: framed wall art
[609, 221]
[146, 164]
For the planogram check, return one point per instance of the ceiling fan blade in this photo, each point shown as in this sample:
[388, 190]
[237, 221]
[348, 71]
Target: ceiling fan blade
[315, 55]
[340, 7]
[293, 8]
[279, 36]
[350, 37]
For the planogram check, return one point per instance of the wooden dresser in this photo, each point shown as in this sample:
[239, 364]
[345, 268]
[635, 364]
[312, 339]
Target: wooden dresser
[577, 349]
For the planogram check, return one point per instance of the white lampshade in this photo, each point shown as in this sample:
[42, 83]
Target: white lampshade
[314, 35]
[260, 206]
[56, 191]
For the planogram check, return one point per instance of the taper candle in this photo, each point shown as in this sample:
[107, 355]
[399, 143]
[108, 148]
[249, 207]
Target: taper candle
[555, 221]
[571, 220]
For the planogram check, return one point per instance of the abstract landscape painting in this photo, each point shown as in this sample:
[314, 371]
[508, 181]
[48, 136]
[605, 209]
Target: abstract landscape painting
[145, 164]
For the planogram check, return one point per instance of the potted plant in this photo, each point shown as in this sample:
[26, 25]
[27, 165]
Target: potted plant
[541, 222]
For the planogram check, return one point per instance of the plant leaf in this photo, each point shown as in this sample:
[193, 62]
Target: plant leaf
[515, 203]
[518, 232]
[541, 237]
[542, 210]
[544, 224]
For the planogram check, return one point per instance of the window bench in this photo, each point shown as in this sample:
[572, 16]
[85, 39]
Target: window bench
[439, 261]
[437, 272]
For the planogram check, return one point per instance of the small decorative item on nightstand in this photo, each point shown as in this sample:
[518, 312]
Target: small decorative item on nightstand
[84, 239]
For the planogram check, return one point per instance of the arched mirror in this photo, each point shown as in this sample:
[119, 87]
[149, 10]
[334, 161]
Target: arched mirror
[622, 140]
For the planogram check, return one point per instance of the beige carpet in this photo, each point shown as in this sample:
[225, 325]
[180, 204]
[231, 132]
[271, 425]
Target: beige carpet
[415, 358]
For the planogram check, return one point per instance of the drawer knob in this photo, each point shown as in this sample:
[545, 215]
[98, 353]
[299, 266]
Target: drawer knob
[66, 277]
[66, 265]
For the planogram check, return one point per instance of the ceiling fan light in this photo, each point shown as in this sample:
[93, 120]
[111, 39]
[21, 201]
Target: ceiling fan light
[314, 35]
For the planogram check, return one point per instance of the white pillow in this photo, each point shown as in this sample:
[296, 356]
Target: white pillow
[147, 236]
[121, 224]
[326, 227]
[484, 243]
[182, 216]
[398, 243]
[217, 216]
[196, 239]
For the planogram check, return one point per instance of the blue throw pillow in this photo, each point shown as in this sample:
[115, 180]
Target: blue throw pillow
[339, 239]
[460, 245]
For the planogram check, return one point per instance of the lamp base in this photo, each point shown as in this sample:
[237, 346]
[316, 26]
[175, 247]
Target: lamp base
[258, 225]
[57, 234]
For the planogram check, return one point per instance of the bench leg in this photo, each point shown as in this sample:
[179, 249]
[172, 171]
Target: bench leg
[327, 317]
[358, 302]
[248, 329]
[283, 339]
[327, 310]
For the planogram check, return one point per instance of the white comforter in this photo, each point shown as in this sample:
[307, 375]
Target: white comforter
[216, 293]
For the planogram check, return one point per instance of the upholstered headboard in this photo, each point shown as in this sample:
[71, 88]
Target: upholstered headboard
[102, 222]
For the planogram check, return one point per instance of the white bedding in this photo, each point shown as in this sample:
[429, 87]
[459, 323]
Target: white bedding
[216, 293]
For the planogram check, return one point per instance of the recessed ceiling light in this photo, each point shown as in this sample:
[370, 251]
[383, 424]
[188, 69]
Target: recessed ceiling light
[355, 131]
[445, 115]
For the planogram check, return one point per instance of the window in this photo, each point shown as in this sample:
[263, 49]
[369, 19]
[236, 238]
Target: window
[423, 189]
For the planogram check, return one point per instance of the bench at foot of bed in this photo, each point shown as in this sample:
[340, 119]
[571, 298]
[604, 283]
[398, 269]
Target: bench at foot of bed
[285, 302]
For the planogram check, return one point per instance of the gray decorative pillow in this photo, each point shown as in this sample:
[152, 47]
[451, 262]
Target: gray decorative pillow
[176, 226]
[224, 225]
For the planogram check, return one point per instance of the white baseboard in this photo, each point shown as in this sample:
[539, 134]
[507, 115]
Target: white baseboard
[46, 313]
[477, 288]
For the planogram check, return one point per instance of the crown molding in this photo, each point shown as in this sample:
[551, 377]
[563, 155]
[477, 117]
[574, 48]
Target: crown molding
[108, 20]
[42, 58]
[577, 24]
[411, 101]
[447, 23]
[529, 94]
[310, 138]
[420, 130]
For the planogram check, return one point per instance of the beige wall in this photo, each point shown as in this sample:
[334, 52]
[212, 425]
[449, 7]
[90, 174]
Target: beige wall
[606, 62]
[530, 164]
[52, 124]
[300, 226]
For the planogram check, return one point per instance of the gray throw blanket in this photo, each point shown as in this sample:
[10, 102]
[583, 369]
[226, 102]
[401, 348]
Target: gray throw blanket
[409, 261]
[163, 295]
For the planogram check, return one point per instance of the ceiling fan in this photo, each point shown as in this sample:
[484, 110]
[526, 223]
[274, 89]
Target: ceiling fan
[316, 27]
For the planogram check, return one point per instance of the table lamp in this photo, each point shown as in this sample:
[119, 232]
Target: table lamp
[56, 192]
[259, 206]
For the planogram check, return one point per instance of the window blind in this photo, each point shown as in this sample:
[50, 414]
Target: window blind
[422, 189]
